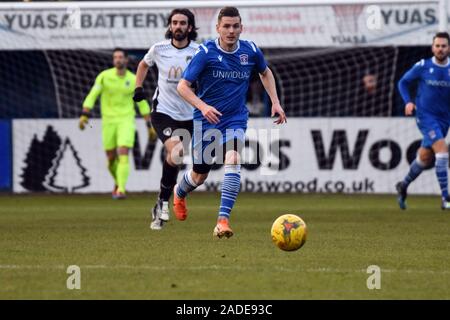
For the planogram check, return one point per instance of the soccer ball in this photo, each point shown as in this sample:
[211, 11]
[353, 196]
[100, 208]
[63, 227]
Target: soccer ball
[289, 232]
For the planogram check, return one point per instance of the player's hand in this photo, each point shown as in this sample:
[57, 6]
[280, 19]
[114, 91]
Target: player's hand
[152, 135]
[84, 120]
[277, 109]
[409, 108]
[211, 114]
[139, 94]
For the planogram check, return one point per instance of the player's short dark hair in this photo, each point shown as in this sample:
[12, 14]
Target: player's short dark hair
[228, 12]
[191, 22]
[121, 50]
[444, 35]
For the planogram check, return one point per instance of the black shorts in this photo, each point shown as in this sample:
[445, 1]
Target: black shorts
[167, 127]
[205, 167]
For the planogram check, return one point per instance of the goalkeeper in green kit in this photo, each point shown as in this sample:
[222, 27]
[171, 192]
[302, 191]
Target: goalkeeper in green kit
[116, 87]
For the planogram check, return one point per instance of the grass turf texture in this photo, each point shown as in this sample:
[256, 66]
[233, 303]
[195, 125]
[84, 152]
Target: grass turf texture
[121, 258]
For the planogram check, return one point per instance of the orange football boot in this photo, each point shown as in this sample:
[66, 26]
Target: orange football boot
[222, 229]
[179, 206]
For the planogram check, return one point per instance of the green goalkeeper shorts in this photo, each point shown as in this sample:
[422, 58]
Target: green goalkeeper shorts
[118, 134]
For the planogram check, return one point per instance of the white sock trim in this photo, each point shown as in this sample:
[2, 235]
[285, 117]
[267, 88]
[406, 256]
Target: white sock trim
[441, 155]
[232, 168]
[189, 178]
[420, 162]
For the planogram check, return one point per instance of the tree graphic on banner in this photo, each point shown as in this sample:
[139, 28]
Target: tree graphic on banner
[67, 174]
[39, 160]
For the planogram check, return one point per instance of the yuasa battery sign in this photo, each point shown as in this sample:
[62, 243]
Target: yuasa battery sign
[105, 25]
[350, 155]
[76, 28]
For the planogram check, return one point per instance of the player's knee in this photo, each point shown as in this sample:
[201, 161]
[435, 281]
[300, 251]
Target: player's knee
[440, 146]
[111, 156]
[123, 151]
[232, 157]
[424, 160]
[443, 148]
[424, 157]
[175, 154]
[199, 178]
[170, 161]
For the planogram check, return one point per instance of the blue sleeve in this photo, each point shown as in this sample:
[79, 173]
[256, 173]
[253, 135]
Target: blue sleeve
[196, 66]
[410, 76]
[261, 64]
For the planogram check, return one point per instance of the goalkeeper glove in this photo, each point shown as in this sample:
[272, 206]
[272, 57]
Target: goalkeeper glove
[139, 94]
[84, 119]
[152, 135]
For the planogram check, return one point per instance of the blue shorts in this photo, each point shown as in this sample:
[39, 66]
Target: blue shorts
[432, 130]
[210, 142]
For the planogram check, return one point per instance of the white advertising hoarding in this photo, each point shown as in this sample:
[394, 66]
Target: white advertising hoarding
[351, 155]
[107, 25]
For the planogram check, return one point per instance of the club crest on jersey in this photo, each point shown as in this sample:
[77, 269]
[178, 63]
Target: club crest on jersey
[244, 59]
[431, 70]
[167, 131]
[432, 134]
[127, 83]
[188, 58]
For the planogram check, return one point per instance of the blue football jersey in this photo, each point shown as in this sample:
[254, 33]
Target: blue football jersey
[433, 93]
[223, 77]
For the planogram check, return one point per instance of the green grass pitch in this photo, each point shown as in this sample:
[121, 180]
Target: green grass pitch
[121, 258]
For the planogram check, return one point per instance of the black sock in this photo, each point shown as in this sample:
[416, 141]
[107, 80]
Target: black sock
[168, 181]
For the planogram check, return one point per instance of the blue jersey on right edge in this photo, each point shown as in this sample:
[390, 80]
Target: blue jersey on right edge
[433, 95]
[223, 77]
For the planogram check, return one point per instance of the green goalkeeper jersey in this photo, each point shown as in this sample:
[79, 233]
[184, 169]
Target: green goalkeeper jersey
[116, 92]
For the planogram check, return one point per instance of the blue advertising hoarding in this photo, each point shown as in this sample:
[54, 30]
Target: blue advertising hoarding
[5, 155]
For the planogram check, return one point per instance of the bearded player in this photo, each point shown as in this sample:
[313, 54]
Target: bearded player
[432, 106]
[171, 116]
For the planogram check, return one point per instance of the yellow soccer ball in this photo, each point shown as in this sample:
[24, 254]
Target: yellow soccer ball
[289, 232]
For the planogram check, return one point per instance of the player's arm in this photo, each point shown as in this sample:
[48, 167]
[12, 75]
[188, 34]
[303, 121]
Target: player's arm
[89, 101]
[141, 74]
[268, 81]
[190, 75]
[209, 112]
[139, 94]
[403, 86]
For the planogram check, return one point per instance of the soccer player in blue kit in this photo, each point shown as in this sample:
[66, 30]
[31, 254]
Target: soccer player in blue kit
[221, 71]
[432, 105]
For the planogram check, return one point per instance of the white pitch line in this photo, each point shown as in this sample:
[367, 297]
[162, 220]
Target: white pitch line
[15, 266]
[219, 267]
